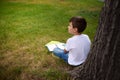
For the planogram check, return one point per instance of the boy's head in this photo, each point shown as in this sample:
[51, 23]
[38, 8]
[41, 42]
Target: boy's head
[79, 23]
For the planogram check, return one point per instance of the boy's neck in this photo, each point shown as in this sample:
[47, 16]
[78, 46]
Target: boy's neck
[77, 33]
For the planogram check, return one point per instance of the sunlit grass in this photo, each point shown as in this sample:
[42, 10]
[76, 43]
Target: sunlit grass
[27, 25]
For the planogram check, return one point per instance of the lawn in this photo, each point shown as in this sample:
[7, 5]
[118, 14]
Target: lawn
[27, 25]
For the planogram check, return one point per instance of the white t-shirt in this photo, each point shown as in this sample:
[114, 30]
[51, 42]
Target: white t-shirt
[78, 47]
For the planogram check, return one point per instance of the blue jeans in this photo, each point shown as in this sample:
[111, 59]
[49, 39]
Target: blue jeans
[61, 54]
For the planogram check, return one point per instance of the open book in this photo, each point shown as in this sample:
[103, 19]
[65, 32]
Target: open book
[54, 44]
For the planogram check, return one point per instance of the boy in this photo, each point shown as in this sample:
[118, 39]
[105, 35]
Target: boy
[78, 46]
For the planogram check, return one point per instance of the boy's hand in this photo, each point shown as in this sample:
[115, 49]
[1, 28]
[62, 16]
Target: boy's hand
[65, 51]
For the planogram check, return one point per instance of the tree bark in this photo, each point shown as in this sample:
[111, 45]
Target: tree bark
[103, 62]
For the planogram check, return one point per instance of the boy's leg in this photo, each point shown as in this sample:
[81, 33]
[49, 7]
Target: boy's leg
[60, 53]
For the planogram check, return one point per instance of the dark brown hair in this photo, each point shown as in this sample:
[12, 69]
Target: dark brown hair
[79, 23]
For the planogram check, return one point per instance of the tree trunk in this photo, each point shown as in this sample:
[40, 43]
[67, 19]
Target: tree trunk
[103, 62]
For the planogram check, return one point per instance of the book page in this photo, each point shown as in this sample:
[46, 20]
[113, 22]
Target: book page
[61, 45]
[51, 47]
[54, 44]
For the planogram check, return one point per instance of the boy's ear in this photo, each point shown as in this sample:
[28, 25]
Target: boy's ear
[75, 29]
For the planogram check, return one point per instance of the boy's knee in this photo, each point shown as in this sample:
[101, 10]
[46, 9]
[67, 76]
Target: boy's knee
[55, 50]
[58, 50]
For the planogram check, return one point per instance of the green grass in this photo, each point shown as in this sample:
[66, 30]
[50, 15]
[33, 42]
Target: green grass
[27, 25]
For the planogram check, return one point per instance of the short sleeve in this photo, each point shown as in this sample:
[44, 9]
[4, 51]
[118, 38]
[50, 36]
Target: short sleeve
[69, 44]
